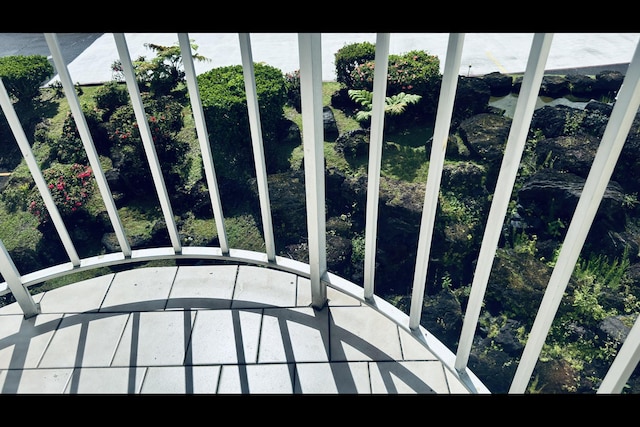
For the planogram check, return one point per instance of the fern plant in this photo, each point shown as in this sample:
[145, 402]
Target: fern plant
[394, 105]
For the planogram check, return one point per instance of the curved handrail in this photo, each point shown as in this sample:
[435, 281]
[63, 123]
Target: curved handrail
[259, 259]
[316, 270]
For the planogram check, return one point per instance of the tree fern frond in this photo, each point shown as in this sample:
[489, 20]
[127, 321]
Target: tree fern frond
[396, 104]
[394, 109]
[363, 115]
[404, 98]
[363, 97]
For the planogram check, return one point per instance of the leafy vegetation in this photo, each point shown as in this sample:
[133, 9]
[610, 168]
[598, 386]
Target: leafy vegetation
[394, 105]
[225, 108]
[70, 185]
[161, 74]
[22, 76]
[59, 151]
[350, 57]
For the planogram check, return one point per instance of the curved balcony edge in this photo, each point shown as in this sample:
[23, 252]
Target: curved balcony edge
[340, 284]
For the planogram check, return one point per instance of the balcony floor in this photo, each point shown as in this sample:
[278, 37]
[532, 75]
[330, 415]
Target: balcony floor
[208, 329]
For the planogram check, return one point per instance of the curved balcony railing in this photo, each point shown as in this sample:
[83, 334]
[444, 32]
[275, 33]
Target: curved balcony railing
[315, 270]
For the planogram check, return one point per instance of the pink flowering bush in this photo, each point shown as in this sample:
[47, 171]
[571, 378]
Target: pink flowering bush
[414, 72]
[70, 185]
[349, 57]
[68, 147]
[165, 119]
[292, 86]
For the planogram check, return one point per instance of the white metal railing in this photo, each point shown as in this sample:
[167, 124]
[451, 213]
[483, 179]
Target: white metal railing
[310, 57]
[504, 186]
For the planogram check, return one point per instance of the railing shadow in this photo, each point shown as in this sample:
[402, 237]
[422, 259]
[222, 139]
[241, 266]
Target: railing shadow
[318, 324]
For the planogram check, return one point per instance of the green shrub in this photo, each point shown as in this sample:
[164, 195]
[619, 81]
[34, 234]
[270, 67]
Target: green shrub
[109, 97]
[17, 192]
[244, 232]
[18, 229]
[23, 75]
[127, 150]
[161, 74]
[7, 140]
[394, 105]
[292, 84]
[414, 72]
[70, 186]
[349, 58]
[225, 107]
[68, 148]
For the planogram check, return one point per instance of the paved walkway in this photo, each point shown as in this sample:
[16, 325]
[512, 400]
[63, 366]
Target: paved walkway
[220, 329]
[483, 53]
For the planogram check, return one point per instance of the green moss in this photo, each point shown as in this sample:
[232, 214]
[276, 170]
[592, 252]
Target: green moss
[198, 231]
[86, 101]
[138, 220]
[244, 233]
[335, 160]
[404, 163]
[18, 229]
[194, 153]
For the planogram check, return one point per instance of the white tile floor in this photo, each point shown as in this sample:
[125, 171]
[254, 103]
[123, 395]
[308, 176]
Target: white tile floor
[209, 329]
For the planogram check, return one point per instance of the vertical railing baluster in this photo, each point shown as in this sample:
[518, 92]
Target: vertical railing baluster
[11, 275]
[436, 164]
[375, 160]
[309, 47]
[624, 364]
[516, 140]
[622, 116]
[203, 138]
[147, 140]
[257, 142]
[87, 141]
[36, 173]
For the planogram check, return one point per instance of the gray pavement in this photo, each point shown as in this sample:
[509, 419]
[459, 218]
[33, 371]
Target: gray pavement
[216, 329]
[72, 44]
[90, 55]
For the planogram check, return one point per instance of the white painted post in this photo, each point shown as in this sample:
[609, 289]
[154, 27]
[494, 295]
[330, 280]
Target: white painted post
[620, 121]
[436, 164]
[147, 140]
[10, 273]
[624, 364]
[504, 187]
[310, 52]
[36, 173]
[257, 142]
[87, 141]
[203, 138]
[375, 160]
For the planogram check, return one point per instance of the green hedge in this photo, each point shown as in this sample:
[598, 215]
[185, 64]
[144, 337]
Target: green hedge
[349, 58]
[127, 151]
[415, 72]
[23, 75]
[225, 107]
